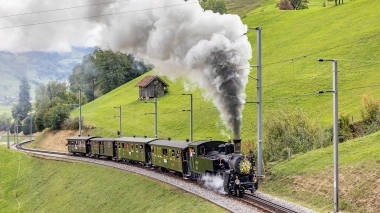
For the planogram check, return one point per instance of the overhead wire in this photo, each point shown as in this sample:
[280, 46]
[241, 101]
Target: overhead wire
[314, 53]
[94, 16]
[59, 9]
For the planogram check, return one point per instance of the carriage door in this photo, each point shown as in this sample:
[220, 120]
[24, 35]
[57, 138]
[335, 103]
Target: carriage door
[192, 158]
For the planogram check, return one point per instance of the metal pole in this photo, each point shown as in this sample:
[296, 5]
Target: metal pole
[80, 112]
[8, 129]
[14, 131]
[17, 131]
[336, 131]
[120, 120]
[259, 104]
[155, 117]
[191, 117]
[31, 128]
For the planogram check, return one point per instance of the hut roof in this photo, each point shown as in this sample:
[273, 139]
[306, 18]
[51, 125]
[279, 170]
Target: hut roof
[146, 81]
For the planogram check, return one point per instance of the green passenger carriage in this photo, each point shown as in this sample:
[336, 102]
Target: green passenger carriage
[134, 149]
[103, 147]
[170, 155]
[79, 145]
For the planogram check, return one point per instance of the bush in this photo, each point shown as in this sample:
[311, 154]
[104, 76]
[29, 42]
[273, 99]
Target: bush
[345, 128]
[371, 114]
[71, 124]
[57, 116]
[26, 125]
[291, 129]
[285, 5]
[39, 121]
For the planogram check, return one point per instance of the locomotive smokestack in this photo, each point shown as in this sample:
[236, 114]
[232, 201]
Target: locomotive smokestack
[237, 143]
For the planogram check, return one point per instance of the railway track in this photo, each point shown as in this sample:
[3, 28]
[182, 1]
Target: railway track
[258, 204]
[265, 205]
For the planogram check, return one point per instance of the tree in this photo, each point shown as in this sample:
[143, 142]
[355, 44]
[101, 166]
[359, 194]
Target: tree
[336, 2]
[23, 107]
[3, 122]
[57, 116]
[113, 69]
[217, 6]
[41, 97]
[26, 125]
[292, 4]
[39, 120]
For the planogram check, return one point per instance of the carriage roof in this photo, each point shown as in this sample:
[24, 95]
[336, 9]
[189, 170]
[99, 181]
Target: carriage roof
[172, 144]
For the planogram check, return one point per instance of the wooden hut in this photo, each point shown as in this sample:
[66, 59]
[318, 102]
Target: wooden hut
[151, 87]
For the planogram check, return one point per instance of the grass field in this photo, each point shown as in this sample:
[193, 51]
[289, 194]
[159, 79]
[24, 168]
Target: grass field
[38, 185]
[309, 177]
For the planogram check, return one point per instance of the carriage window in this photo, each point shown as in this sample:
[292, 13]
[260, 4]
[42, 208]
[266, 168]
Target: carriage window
[165, 152]
[152, 149]
[203, 150]
[122, 145]
[127, 146]
[178, 154]
[141, 148]
[173, 153]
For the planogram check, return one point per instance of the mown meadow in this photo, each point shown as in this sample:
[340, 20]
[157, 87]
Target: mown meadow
[31, 184]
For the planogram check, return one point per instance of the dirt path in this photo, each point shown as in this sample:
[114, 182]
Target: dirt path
[55, 140]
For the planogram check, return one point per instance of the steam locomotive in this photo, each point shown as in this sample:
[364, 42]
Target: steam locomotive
[191, 160]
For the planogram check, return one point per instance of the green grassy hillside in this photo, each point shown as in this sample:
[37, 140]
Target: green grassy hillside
[29, 184]
[294, 40]
[308, 178]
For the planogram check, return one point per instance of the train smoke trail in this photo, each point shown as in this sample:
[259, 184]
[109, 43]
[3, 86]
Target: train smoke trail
[215, 183]
[179, 38]
[185, 41]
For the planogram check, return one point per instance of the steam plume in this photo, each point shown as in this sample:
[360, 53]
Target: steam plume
[185, 41]
[177, 37]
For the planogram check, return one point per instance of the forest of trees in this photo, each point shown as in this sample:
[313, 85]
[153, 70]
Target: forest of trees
[103, 70]
[99, 73]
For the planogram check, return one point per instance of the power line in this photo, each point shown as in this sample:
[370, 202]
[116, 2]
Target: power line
[294, 80]
[307, 55]
[58, 9]
[272, 18]
[318, 93]
[95, 16]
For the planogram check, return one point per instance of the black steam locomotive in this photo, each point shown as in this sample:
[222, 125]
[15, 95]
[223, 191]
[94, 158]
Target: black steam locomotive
[193, 160]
